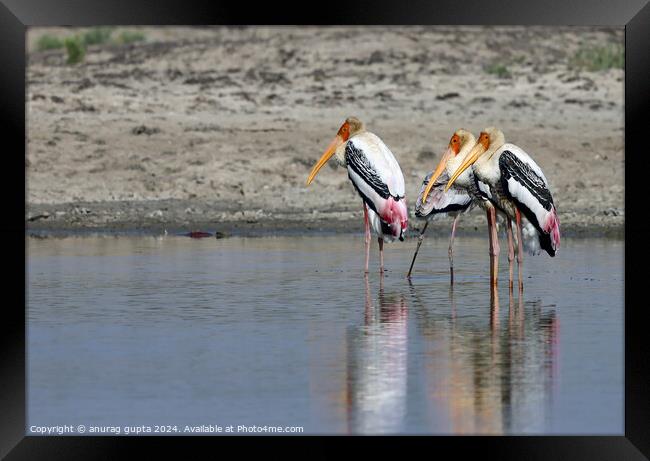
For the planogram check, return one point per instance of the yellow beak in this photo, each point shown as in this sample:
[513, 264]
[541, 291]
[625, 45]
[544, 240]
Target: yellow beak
[331, 149]
[436, 174]
[474, 154]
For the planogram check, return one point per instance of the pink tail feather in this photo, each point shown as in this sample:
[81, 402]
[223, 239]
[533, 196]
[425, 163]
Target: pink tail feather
[396, 214]
[552, 227]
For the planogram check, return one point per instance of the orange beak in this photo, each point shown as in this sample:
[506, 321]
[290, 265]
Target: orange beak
[436, 174]
[331, 149]
[478, 149]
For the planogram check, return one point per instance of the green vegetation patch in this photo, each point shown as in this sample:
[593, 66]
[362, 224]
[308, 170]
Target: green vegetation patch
[75, 45]
[48, 42]
[595, 58]
[128, 36]
[75, 48]
[97, 35]
[500, 70]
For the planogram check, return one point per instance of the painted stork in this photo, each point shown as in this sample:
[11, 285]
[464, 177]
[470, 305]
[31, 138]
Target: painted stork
[456, 201]
[376, 176]
[511, 180]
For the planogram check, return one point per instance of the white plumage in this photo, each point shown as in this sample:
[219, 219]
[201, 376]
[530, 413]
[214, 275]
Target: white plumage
[434, 201]
[516, 186]
[382, 160]
[377, 177]
[515, 183]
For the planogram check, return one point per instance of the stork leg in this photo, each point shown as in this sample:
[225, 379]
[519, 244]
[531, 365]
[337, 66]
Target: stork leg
[494, 309]
[420, 238]
[451, 248]
[489, 220]
[494, 250]
[511, 253]
[367, 224]
[381, 254]
[520, 251]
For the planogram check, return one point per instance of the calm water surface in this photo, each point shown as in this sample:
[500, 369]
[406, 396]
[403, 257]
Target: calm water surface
[286, 331]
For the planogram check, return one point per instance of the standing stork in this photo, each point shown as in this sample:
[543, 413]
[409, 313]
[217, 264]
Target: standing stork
[434, 202]
[376, 176]
[511, 180]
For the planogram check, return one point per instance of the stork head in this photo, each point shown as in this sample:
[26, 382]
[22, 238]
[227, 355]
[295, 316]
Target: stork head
[459, 145]
[488, 142]
[350, 127]
[495, 138]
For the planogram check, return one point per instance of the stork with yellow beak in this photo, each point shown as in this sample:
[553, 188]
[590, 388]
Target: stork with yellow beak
[434, 202]
[376, 176]
[514, 184]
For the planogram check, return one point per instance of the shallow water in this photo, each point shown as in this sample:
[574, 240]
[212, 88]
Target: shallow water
[286, 331]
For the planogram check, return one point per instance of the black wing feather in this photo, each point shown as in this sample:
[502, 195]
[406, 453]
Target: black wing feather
[360, 165]
[512, 167]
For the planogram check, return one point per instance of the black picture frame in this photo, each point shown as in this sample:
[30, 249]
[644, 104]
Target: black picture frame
[17, 15]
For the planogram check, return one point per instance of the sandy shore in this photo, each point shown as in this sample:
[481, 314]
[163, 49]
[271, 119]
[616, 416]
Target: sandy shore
[217, 128]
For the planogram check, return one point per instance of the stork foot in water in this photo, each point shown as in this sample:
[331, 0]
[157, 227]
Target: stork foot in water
[420, 238]
[494, 246]
[520, 251]
[365, 220]
[511, 254]
[451, 249]
[368, 239]
[494, 309]
[488, 214]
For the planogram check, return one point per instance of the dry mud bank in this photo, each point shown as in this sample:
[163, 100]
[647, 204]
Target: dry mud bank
[217, 128]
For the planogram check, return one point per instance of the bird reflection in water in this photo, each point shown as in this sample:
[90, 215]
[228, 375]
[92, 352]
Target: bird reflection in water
[377, 365]
[485, 378]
